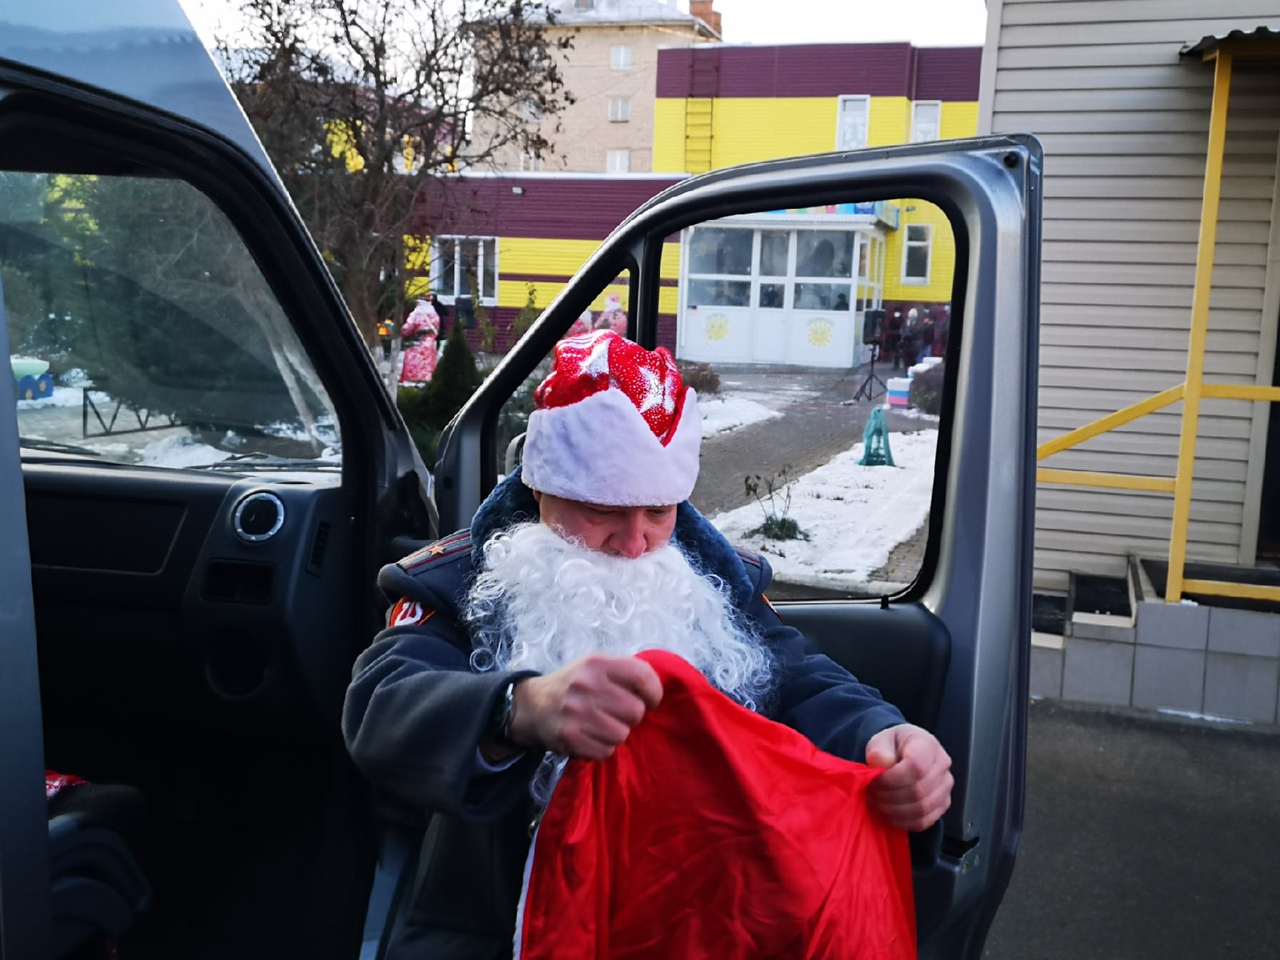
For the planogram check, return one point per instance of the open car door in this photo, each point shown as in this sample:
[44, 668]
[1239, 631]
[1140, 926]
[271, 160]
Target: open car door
[771, 277]
[209, 472]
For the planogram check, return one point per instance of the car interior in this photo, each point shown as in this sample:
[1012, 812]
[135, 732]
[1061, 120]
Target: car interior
[204, 578]
[202, 581]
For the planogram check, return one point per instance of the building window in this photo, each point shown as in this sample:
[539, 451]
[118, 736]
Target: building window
[620, 57]
[620, 110]
[917, 252]
[851, 124]
[463, 267]
[618, 161]
[530, 111]
[529, 162]
[926, 120]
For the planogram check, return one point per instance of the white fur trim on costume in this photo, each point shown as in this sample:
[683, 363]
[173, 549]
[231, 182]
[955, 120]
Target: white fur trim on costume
[601, 450]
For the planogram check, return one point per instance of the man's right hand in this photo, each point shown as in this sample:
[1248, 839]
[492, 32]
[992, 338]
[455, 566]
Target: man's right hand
[584, 709]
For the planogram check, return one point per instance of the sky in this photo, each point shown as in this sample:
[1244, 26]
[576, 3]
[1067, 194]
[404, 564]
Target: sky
[923, 22]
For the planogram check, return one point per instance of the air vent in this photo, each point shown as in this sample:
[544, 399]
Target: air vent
[258, 517]
[319, 542]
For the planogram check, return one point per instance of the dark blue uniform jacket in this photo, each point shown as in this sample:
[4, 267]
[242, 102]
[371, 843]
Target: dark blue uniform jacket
[415, 714]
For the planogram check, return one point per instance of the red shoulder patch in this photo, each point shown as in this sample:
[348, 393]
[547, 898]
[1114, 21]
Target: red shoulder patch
[408, 612]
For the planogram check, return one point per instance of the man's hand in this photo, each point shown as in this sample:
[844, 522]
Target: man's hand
[584, 709]
[915, 788]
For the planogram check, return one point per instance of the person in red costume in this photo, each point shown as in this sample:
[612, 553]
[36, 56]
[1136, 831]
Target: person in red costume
[420, 333]
[512, 646]
[612, 317]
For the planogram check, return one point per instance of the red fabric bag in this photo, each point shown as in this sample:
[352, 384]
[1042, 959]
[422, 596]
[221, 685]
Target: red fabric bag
[714, 832]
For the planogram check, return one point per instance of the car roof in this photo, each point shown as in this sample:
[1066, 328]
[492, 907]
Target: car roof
[143, 50]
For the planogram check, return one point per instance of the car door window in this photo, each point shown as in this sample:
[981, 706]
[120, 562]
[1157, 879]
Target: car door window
[820, 386]
[142, 331]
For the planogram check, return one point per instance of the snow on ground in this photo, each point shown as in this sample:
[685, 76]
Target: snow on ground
[854, 515]
[911, 412]
[63, 397]
[181, 452]
[723, 413]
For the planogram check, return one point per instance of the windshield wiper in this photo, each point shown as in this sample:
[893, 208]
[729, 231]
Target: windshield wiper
[52, 446]
[267, 461]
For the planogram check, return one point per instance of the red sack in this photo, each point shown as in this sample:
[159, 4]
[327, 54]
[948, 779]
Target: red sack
[714, 832]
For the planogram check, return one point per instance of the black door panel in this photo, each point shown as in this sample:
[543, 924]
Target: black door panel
[143, 572]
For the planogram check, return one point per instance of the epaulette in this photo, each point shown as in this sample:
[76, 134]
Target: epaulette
[437, 552]
[747, 557]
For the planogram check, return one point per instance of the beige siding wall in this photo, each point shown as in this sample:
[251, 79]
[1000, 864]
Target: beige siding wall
[1124, 124]
[586, 133]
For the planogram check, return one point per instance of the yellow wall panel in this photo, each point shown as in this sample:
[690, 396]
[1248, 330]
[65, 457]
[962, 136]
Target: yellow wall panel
[555, 258]
[959, 120]
[749, 129]
[515, 293]
[889, 122]
[668, 299]
[669, 267]
[668, 136]
[942, 258]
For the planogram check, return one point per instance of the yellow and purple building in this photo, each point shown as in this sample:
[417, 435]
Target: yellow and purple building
[786, 286]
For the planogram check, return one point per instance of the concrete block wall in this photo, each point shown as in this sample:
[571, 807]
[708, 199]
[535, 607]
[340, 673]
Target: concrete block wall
[1192, 659]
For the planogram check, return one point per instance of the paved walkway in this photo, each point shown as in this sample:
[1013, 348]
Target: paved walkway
[1145, 839]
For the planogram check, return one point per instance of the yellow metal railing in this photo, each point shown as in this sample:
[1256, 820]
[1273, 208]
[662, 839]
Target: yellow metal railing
[1191, 391]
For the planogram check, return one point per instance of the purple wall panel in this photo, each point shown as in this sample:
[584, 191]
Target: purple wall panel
[561, 208]
[503, 319]
[948, 73]
[826, 70]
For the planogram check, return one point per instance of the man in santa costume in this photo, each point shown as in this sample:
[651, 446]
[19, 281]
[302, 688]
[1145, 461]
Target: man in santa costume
[512, 645]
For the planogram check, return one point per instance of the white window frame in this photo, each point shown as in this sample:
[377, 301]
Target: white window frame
[530, 110]
[619, 109]
[908, 244]
[529, 163]
[936, 127]
[620, 56]
[617, 161]
[843, 142]
[488, 298]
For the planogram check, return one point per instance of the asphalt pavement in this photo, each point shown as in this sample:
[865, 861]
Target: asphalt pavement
[1146, 838]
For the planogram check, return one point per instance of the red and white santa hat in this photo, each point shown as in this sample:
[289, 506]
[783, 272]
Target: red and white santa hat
[614, 425]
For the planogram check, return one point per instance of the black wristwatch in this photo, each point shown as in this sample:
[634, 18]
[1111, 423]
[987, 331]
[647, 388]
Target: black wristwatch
[500, 720]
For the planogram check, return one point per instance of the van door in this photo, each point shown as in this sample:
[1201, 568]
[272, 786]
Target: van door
[924, 593]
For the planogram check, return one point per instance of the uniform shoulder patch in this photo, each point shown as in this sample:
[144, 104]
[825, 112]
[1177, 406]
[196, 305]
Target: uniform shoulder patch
[450, 546]
[408, 612]
[746, 556]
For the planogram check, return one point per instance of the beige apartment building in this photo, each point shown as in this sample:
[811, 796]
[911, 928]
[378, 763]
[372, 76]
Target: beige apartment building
[611, 71]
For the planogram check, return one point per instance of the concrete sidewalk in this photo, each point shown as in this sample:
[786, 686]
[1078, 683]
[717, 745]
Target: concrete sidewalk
[1146, 839]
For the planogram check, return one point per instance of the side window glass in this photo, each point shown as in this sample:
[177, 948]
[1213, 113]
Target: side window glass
[818, 340]
[610, 310]
[143, 331]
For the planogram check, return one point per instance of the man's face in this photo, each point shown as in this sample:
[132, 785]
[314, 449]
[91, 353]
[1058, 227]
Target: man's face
[621, 531]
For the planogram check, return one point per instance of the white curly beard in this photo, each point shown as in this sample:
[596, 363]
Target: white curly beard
[542, 602]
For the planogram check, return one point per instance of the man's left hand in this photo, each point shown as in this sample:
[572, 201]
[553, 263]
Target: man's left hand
[915, 788]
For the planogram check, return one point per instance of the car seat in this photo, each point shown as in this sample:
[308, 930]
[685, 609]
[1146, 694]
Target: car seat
[97, 836]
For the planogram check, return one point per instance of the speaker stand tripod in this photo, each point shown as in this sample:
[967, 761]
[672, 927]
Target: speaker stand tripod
[868, 388]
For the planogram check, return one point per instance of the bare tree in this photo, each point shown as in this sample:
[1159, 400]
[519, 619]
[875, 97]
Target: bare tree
[358, 102]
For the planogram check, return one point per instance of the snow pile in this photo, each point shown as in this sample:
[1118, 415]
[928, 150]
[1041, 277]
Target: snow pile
[721, 414]
[854, 515]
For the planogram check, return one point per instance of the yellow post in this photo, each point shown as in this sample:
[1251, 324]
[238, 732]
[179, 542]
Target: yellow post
[1199, 325]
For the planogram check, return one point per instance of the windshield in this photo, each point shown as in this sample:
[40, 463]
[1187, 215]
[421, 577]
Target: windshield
[142, 331]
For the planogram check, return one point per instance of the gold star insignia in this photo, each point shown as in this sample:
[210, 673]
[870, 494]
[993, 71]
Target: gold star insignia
[435, 550]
